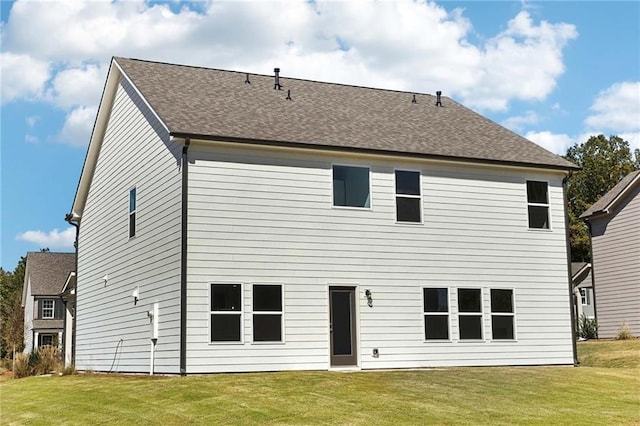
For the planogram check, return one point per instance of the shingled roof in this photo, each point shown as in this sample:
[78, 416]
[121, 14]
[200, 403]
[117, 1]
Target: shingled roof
[607, 200]
[48, 272]
[219, 105]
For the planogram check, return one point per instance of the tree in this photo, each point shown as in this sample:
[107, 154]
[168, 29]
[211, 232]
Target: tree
[604, 162]
[11, 311]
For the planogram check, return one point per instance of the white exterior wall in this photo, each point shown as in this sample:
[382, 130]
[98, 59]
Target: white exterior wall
[28, 319]
[267, 217]
[136, 151]
[616, 266]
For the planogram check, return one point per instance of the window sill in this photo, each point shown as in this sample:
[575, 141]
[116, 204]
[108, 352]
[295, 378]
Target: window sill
[351, 208]
[540, 229]
[440, 341]
[409, 223]
[471, 341]
[268, 343]
[503, 341]
[226, 343]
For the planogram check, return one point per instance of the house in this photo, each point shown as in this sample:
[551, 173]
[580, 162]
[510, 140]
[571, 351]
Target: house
[614, 227]
[44, 278]
[583, 289]
[238, 222]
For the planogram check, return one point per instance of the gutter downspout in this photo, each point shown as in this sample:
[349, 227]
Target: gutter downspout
[593, 276]
[570, 278]
[183, 259]
[69, 219]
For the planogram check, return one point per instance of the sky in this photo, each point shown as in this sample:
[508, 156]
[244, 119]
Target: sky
[553, 72]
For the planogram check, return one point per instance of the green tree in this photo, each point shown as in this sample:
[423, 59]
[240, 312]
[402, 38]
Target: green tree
[11, 311]
[604, 162]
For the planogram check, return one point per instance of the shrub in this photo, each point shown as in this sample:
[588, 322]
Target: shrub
[587, 328]
[69, 371]
[624, 333]
[22, 366]
[48, 360]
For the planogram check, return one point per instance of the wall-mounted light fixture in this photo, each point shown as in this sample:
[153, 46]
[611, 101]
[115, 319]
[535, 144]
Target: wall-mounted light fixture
[367, 293]
[135, 295]
[105, 279]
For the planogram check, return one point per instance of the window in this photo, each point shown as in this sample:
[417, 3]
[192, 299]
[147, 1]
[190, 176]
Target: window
[436, 313]
[267, 313]
[132, 212]
[351, 186]
[226, 312]
[584, 295]
[502, 314]
[46, 340]
[538, 204]
[408, 201]
[48, 309]
[470, 313]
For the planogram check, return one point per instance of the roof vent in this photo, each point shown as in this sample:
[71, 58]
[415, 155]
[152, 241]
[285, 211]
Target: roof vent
[277, 85]
[438, 100]
[247, 80]
[413, 101]
[289, 94]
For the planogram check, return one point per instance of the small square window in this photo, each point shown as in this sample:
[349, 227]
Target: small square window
[538, 204]
[351, 186]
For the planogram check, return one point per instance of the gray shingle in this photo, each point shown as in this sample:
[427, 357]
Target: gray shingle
[603, 203]
[219, 104]
[48, 271]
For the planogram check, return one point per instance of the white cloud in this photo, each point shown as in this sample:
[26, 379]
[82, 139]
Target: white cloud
[32, 120]
[406, 45]
[554, 142]
[617, 108]
[78, 126]
[52, 239]
[518, 122]
[632, 138]
[31, 139]
[21, 76]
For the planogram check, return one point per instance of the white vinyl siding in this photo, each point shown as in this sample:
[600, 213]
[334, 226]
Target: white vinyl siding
[616, 267]
[113, 333]
[267, 216]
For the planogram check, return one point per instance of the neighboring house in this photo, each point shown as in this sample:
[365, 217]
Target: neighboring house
[44, 278]
[614, 227]
[583, 289]
[236, 222]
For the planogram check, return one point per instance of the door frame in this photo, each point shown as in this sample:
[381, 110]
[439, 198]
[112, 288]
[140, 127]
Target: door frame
[355, 326]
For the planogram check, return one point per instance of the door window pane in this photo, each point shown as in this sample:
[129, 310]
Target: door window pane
[341, 309]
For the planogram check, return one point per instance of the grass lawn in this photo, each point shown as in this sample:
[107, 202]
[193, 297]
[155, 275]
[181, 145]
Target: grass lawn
[604, 390]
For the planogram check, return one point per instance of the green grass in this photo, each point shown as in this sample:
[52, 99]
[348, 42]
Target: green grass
[601, 394]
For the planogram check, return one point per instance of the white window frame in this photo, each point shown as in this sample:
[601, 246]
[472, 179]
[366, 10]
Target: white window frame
[370, 187]
[471, 314]
[584, 296]
[424, 314]
[212, 312]
[41, 338]
[408, 196]
[134, 213]
[505, 314]
[281, 313]
[547, 205]
[52, 308]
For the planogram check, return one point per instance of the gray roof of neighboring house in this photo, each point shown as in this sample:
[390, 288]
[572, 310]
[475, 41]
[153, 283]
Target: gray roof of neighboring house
[605, 202]
[579, 271]
[215, 104]
[48, 272]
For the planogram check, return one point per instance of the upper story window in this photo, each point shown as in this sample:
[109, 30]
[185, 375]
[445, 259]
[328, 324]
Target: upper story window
[436, 313]
[48, 309]
[351, 187]
[226, 312]
[408, 199]
[470, 313]
[267, 313]
[502, 314]
[538, 204]
[132, 212]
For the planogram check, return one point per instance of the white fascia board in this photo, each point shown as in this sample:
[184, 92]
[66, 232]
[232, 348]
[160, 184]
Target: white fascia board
[97, 136]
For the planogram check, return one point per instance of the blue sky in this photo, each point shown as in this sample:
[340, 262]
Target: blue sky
[554, 72]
